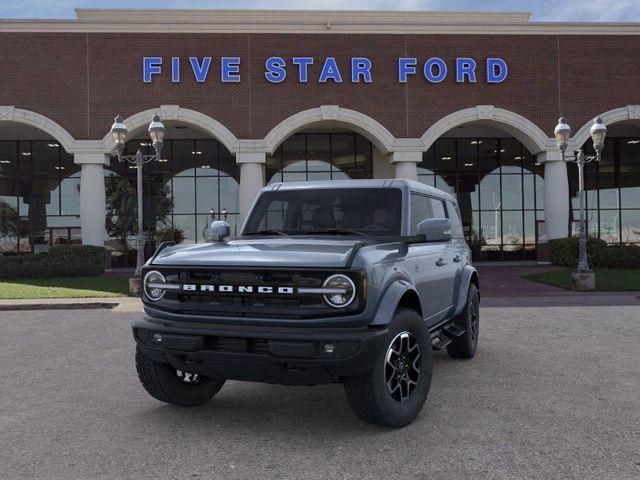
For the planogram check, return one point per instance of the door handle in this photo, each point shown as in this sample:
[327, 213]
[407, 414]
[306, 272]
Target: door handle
[457, 259]
[441, 262]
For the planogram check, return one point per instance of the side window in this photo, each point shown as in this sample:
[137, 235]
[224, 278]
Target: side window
[456, 221]
[419, 210]
[438, 208]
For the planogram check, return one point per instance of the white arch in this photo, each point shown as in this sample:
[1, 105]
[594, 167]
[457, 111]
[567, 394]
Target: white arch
[382, 138]
[177, 113]
[630, 112]
[527, 132]
[10, 113]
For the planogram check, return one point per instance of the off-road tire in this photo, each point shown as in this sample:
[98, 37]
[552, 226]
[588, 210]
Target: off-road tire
[161, 381]
[466, 345]
[367, 394]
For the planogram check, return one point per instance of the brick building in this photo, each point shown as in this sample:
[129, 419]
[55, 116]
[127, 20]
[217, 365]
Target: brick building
[463, 101]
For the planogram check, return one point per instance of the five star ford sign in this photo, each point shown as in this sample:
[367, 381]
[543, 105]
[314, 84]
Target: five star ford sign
[361, 69]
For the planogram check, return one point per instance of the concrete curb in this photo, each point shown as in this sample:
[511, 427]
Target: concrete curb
[116, 304]
[8, 307]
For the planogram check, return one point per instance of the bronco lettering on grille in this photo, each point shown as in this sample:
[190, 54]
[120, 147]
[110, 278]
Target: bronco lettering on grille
[264, 289]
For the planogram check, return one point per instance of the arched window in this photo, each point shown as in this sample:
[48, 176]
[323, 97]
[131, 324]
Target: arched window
[499, 190]
[612, 188]
[320, 156]
[199, 176]
[39, 196]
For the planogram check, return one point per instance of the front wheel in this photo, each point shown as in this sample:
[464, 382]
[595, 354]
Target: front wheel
[395, 390]
[169, 385]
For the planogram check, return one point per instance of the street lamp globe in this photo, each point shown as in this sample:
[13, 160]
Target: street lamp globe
[119, 133]
[598, 133]
[156, 132]
[562, 133]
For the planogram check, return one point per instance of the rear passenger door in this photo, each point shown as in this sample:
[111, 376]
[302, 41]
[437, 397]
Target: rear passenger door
[421, 260]
[448, 262]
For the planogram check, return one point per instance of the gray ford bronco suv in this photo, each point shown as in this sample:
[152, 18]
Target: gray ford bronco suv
[353, 281]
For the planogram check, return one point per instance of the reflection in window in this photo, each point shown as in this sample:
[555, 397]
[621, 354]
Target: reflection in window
[612, 188]
[320, 156]
[39, 196]
[200, 178]
[499, 189]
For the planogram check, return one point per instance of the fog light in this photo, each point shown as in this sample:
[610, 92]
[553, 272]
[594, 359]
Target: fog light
[329, 348]
[157, 338]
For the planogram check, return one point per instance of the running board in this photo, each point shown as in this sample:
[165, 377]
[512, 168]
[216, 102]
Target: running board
[440, 341]
[453, 329]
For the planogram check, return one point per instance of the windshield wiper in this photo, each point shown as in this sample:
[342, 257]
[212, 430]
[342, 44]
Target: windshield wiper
[267, 232]
[337, 231]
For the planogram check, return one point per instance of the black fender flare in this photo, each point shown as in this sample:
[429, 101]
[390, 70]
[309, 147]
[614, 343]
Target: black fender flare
[389, 301]
[468, 273]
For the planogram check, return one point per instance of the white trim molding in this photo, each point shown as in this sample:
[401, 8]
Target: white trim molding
[523, 129]
[179, 114]
[373, 130]
[10, 113]
[629, 112]
[310, 21]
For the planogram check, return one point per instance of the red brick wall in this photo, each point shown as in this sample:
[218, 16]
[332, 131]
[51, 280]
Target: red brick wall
[82, 80]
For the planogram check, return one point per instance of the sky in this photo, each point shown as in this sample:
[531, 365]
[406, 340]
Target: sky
[542, 10]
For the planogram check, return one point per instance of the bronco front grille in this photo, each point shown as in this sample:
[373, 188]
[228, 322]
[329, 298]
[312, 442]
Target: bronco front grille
[251, 293]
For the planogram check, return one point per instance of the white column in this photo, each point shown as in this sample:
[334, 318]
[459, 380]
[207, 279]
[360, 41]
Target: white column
[251, 180]
[556, 194]
[406, 164]
[92, 197]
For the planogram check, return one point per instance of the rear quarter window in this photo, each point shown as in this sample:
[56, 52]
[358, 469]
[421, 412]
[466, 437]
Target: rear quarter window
[456, 222]
[419, 210]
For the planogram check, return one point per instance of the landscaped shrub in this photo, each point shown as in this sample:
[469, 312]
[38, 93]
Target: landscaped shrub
[618, 256]
[564, 251]
[61, 261]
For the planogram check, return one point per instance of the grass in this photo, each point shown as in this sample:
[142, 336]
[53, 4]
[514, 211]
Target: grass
[607, 279]
[72, 287]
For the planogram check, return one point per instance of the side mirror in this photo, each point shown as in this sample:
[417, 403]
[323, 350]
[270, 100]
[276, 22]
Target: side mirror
[435, 229]
[219, 231]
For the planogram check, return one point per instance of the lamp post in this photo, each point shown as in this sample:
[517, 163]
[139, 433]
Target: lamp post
[156, 133]
[562, 133]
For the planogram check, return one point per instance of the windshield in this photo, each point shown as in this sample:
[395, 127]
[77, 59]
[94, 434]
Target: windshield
[335, 211]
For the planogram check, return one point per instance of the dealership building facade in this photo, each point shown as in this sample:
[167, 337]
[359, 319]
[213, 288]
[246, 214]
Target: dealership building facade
[466, 102]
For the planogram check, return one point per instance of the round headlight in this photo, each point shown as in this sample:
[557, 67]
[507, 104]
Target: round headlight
[344, 291]
[151, 283]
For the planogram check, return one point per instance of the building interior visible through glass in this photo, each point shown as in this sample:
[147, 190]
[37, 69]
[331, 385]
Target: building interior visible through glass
[497, 182]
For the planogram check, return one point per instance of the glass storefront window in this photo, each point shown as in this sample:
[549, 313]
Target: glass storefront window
[499, 189]
[39, 196]
[612, 189]
[320, 156]
[199, 178]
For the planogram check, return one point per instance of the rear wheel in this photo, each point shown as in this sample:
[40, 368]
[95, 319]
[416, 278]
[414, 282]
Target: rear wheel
[466, 345]
[394, 391]
[176, 387]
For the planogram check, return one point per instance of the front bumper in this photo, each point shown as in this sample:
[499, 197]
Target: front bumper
[283, 355]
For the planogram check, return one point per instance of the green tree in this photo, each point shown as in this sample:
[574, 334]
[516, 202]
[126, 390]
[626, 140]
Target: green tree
[122, 208]
[9, 221]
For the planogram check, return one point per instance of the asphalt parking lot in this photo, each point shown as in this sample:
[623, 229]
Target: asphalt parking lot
[554, 392]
